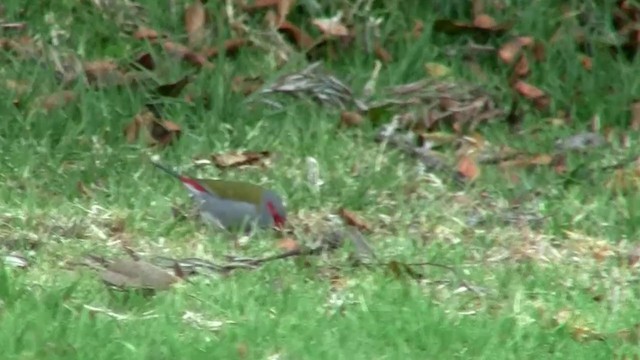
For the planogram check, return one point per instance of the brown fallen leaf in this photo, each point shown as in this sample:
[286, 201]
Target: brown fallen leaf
[84, 190]
[299, 37]
[288, 244]
[538, 51]
[156, 131]
[186, 54]
[243, 158]
[484, 21]
[482, 25]
[260, 5]
[146, 61]
[350, 218]
[57, 99]
[103, 73]
[145, 33]
[530, 92]
[231, 47]
[382, 54]
[586, 62]
[467, 168]
[282, 10]
[173, 89]
[418, 29]
[528, 160]
[246, 85]
[521, 68]
[512, 49]
[351, 119]
[635, 115]
[331, 27]
[194, 22]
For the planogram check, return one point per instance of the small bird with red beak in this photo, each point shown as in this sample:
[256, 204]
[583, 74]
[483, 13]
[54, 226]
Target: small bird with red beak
[233, 204]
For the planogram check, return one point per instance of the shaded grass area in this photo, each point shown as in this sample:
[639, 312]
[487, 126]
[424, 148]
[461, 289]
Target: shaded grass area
[528, 275]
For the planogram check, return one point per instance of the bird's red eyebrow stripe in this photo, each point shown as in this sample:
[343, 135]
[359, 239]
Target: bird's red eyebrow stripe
[193, 183]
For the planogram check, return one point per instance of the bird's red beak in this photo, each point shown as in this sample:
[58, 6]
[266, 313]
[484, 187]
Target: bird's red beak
[277, 218]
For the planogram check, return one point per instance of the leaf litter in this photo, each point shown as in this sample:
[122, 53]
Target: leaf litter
[407, 118]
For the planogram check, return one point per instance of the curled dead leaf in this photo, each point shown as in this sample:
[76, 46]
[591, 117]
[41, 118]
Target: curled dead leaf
[231, 47]
[145, 33]
[146, 61]
[484, 21]
[294, 33]
[246, 85]
[57, 99]
[156, 131]
[512, 49]
[243, 158]
[382, 54]
[288, 244]
[194, 22]
[282, 10]
[351, 119]
[467, 168]
[103, 73]
[331, 26]
[635, 115]
[186, 54]
[530, 92]
[350, 218]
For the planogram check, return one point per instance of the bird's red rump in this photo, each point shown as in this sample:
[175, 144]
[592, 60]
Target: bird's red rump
[277, 219]
[193, 184]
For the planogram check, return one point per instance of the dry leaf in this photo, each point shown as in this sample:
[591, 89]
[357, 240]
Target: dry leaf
[145, 33]
[352, 219]
[586, 62]
[418, 28]
[521, 69]
[538, 51]
[528, 91]
[146, 61]
[484, 21]
[436, 70]
[467, 168]
[283, 9]
[245, 158]
[483, 25]
[231, 47]
[382, 54]
[246, 85]
[194, 21]
[84, 190]
[331, 27]
[173, 89]
[57, 99]
[635, 115]
[528, 160]
[186, 54]
[103, 73]
[351, 119]
[299, 37]
[157, 131]
[510, 51]
[288, 244]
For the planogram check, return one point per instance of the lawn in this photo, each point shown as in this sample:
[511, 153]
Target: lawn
[537, 245]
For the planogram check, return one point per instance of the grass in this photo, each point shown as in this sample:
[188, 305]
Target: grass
[544, 292]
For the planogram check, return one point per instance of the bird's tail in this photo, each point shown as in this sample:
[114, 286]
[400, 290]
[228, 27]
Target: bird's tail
[167, 170]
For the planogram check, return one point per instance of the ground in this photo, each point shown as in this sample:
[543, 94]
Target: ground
[538, 258]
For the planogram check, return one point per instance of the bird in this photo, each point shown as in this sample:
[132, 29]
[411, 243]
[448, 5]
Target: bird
[233, 204]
